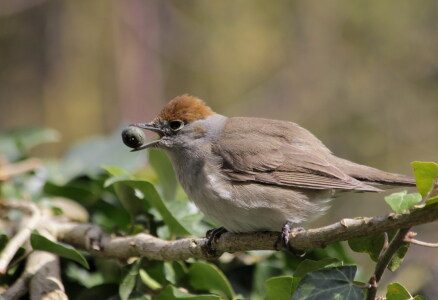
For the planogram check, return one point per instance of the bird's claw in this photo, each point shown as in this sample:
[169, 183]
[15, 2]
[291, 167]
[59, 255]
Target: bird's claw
[213, 235]
[283, 239]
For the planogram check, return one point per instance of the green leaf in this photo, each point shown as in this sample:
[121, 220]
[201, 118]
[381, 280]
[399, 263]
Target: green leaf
[329, 283]
[398, 257]
[425, 174]
[308, 265]
[395, 291]
[149, 281]
[432, 201]
[40, 242]
[163, 167]
[208, 277]
[371, 244]
[81, 192]
[401, 202]
[148, 193]
[128, 282]
[279, 288]
[172, 293]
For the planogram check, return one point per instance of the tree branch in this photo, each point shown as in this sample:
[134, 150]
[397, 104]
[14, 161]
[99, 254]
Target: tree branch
[93, 239]
[384, 260]
[23, 234]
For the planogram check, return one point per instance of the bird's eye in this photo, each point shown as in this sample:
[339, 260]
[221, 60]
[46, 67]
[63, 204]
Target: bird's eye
[176, 125]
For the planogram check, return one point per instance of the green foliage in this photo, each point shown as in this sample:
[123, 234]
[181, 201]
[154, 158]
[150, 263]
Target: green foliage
[204, 276]
[128, 282]
[40, 242]
[162, 166]
[395, 291]
[425, 175]
[124, 195]
[279, 288]
[329, 283]
[373, 245]
[401, 202]
[173, 293]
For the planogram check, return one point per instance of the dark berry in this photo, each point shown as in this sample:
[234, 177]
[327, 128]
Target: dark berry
[133, 137]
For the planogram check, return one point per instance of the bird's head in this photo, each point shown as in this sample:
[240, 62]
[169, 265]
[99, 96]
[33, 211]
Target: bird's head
[174, 122]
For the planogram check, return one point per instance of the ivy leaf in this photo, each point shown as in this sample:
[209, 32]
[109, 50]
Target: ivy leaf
[308, 265]
[401, 202]
[398, 258]
[208, 277]
[395, 291]
[371, 244]
[279, 288]
[40, 242]
[425, 174]
[329, 283]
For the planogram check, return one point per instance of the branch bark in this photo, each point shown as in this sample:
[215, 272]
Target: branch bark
[23, 234]
[93, 239]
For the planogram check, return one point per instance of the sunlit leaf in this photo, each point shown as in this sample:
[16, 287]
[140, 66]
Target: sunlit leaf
[425, 175]
[395, 291]
[401, 202]
[40, 242]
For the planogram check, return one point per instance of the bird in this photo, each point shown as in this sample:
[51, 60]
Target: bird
[253, 174]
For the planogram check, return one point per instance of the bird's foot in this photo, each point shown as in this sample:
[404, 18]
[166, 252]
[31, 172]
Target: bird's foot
[213, 235]
[283, 240]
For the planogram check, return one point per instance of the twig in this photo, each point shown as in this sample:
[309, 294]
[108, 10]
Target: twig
[23, 234]
[46, 283]
[384, 260]
[9, 170]
[41, 277]
[93, 239]
[410, 239]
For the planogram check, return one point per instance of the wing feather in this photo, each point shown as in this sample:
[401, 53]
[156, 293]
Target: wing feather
[280, 162]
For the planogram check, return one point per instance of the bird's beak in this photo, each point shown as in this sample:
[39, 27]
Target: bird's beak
[148, 126]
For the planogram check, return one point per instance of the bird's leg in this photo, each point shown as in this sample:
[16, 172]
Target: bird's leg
[213, 235]
[283, 238]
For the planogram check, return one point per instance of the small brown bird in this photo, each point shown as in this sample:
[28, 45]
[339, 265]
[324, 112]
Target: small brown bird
[253, 174]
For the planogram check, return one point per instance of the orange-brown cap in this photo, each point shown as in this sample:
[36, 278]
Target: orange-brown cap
[185, 108]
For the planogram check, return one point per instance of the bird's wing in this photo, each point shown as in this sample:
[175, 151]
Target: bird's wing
[280, 163]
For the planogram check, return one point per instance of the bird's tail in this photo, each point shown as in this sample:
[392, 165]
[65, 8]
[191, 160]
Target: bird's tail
[372, 176]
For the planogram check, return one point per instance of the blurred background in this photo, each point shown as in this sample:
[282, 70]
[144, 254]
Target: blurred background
[362, 76]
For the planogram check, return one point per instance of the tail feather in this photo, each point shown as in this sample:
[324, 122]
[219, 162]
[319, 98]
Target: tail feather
[371, 175]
